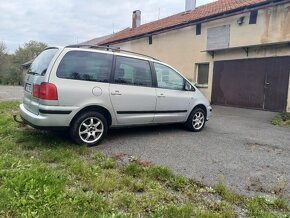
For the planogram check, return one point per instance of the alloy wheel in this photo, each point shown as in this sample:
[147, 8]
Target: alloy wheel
[198, 120]
[91, 130]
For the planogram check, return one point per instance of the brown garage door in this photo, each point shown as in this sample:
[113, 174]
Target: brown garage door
[252, 83]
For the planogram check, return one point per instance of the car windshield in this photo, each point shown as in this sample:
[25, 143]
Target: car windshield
[41, 62]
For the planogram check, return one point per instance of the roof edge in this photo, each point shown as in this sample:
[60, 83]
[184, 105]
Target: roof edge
[228, 13]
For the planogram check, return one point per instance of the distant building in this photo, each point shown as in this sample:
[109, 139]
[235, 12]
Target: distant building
[236, 51]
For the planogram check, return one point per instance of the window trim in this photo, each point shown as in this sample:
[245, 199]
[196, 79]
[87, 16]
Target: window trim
[112, 79]
[196, 75]
[109, 74]
[184, 80]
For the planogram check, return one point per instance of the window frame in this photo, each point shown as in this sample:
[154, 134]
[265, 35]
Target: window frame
[109, 71]
[156, 82]
[112, 76]
[197, 74]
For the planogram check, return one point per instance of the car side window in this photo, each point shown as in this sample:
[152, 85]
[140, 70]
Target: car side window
[131, 71]
[83, 65]
[167, 78]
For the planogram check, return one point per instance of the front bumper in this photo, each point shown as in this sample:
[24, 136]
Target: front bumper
[209, 112]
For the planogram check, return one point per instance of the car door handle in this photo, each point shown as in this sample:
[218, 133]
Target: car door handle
[116, 93]
[161, 96]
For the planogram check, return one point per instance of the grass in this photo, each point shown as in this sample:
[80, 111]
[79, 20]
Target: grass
[45, 175]
[282, 119]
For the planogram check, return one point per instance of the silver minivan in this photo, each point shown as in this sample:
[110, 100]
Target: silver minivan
[88, 89]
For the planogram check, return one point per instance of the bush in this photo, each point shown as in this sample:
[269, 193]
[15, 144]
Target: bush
[282, 119]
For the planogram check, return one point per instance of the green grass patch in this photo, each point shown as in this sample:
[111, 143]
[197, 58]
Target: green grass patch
[282, 119]
[43, 175]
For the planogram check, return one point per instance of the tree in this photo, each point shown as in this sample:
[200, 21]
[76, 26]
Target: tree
[22, 55]
[28, 52]
[3, 53]
[10, 65]
[14, 77]
[4, 61]
[2, 48]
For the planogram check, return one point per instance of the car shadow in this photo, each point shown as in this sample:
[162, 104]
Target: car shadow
[145, 130]
[61, 138]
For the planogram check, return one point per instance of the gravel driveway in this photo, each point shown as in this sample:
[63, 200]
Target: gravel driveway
[10, 93]
[238, 147]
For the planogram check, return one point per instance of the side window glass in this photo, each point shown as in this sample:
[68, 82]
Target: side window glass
[83, 65]
[132, 71]
[167, 78]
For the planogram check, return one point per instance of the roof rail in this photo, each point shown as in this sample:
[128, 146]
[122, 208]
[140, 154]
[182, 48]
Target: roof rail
[113, 49]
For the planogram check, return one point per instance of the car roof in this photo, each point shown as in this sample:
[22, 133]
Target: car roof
[114, 50]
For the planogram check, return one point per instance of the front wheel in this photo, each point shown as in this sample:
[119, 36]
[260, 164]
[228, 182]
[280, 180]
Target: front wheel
[196, 120]
[89, 128]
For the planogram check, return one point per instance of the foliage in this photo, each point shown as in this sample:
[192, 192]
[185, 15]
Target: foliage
[10, 65]
[5, 61]
[43, 175]
[28, 52]
[282, 119]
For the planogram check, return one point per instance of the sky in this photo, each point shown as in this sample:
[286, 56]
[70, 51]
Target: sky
[64, 22]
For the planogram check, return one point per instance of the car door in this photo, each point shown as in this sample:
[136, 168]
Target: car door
[132, 93]
[172, 99]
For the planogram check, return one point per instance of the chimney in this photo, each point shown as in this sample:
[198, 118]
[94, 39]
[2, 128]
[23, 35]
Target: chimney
[190, 5]
[136, 19]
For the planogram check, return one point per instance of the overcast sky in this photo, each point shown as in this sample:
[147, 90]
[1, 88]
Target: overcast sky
[63, 22]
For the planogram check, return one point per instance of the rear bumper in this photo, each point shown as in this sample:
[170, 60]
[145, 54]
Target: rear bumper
[44, 120]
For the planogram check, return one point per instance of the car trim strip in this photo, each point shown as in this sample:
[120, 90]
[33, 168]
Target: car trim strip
[54, 112]
[151, 112]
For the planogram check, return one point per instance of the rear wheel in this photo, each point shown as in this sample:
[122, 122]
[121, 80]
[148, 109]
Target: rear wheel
[196, 120]
[89, 128]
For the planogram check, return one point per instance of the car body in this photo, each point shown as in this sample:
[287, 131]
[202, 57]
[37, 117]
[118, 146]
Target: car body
[65, 84]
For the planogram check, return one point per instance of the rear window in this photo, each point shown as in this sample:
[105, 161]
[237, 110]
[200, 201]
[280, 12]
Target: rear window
[40, 64]
[83, 65]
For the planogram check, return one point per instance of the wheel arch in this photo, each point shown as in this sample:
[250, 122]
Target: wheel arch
[96, 108]
[201, 106]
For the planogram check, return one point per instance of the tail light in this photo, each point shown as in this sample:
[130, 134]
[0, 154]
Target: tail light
[45, 91]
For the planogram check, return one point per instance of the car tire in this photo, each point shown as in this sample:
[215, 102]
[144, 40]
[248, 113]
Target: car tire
[89, 128]
[196, 120]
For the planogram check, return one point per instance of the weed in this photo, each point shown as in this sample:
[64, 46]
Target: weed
[160, 173]
[229, 196]
[282, 119]
[174, 211]
[138, 186]
[281, 203]
[57, 154]
[108, 164]
[178, 183]
[125, 200]
[133, 169]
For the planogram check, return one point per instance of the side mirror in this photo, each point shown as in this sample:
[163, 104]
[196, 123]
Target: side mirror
[188, 87]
